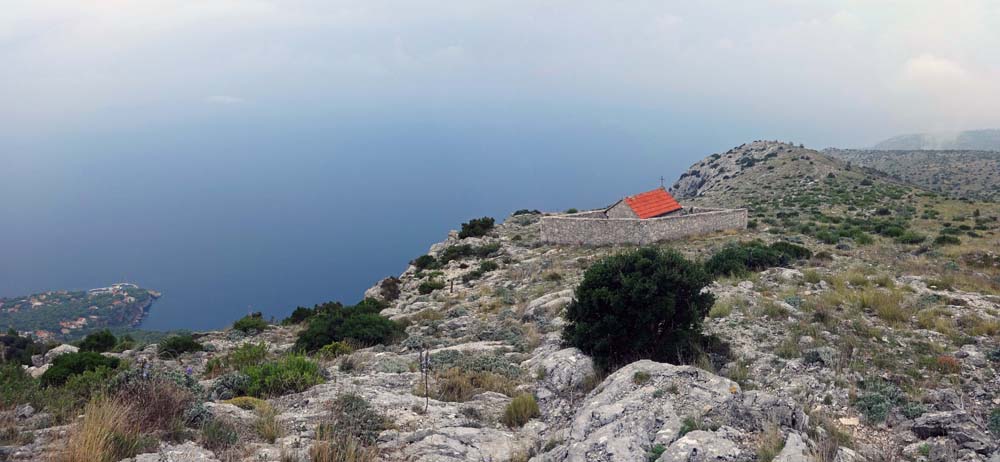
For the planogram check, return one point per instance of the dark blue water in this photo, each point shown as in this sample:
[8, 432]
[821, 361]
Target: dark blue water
[267, 212]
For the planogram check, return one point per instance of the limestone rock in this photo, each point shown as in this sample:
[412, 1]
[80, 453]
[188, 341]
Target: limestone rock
[187, 452]
[386, 290]
[36, 372]
[956, 425]
[698, 446]
[548, 305]
[620, 418]
[24, 411]
[795, 450]
[59, 351]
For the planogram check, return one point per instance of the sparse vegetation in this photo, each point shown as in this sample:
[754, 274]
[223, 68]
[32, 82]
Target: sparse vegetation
[520, 410]
[336, 323]
[251, 324]
[476, 227]
[289, 374]
[172, 347]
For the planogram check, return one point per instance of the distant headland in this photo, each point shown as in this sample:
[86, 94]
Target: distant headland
[63, 314]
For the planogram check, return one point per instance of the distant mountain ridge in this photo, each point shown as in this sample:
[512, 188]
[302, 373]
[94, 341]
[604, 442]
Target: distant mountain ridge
[974, 140]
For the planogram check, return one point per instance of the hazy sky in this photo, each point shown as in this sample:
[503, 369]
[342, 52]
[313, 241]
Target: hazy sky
[824, 72]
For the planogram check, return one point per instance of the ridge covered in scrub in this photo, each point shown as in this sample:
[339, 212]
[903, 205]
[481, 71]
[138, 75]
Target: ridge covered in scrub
[857, 319]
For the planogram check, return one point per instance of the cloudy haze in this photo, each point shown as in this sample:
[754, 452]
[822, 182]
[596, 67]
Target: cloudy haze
[824, 72]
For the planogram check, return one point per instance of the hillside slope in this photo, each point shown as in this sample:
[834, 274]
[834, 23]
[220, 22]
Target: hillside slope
[977, 140]
[881, 346]
[971, 174]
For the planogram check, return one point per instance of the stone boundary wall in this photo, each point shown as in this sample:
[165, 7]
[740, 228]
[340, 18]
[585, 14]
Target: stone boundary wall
[594, 228]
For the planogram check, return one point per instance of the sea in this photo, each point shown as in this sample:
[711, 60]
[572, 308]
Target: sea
[270, 213]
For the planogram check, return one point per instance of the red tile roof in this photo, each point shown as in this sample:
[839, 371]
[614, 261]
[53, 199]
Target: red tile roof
[652, 203]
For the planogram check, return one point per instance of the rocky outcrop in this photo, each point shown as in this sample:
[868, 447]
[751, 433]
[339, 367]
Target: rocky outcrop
[187, 452]
[691, 413]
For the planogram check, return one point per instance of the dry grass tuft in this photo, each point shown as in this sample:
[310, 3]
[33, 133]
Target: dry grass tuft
[771, 443]
[342, 449]
[106, 434]
[456, 385]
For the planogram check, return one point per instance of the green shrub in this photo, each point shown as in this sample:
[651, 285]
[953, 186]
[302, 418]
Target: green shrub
[425, 262]
[877, 398]
[993, 423]
[476, 227]
[99, 342]
[520, 410]
[69, 364]
[16, 386]
[299, 315]
[17, 349]
[485, 266]
[334, 350]
[365, 326]
[427, 287]
[217, 435]
[740, 258]
[290, 374]
[240, 358]
[655, 452]
[571, 210]
[353, 416]
[250, 324]
[910, 237]
[458, 252]
[65, 402]
[945, 239]
[642, 304]
[792, 251]
[370, 329]
[125, 342]
[172, 347]
[526, 212]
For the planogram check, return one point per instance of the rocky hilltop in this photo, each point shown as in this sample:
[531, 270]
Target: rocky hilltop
[880, 346]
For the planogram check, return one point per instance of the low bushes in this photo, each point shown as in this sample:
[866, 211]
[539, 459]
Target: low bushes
[427, 287]
[455, 252]
[290, 374]
[16, 386]
[19, 349]
[354, 417]
[99, 342]
[360, 324]
[65, 366]
[244, 356]
[172, 347]
[945, 239]
[334, 350]
[877, 398]
[993, 422]
[251, 324]
[910, 237]
[740, 258]
[484, 267]
[476, 227]
[520, 410]
[218, 435]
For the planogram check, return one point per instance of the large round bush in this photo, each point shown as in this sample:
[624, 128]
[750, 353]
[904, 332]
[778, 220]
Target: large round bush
[645, 304]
